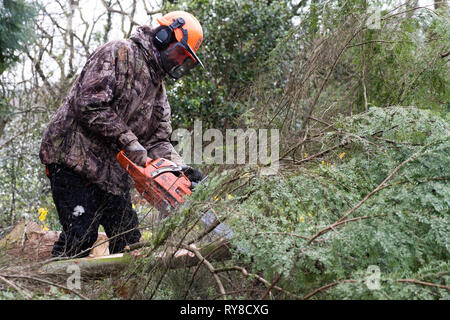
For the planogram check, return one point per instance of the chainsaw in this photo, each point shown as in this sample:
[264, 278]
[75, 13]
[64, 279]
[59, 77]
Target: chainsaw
[161, 182]
[164, 185]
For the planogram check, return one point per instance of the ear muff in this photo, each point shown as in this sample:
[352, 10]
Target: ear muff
[164, 35]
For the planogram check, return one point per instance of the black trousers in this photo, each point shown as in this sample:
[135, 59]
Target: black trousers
[82, 207]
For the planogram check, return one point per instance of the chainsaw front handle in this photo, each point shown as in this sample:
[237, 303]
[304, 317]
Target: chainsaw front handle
[165, 169]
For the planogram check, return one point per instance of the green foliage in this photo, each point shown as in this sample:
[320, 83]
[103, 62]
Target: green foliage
[238, 35]
[404, 227]
[16, 30]
[343, 67]
[25, 187]
[403, 62]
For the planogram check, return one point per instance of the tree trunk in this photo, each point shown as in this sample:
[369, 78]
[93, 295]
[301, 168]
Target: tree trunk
[115, 263]
[439, 3]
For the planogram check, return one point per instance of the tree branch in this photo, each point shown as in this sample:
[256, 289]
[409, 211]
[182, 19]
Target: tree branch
[370, 194]
[209, 266]
[309, 295]
[121, 12]
[49, 283]
[257, 277]
[12, 284]
[423, 283]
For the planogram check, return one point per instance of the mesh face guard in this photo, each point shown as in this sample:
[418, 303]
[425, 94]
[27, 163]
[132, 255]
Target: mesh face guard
[177, 61]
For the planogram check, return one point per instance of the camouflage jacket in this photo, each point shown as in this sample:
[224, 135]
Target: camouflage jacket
[118, 97]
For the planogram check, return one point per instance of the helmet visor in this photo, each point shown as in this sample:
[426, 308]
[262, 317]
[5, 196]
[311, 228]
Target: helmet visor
[191, 52]
[179, 71]
[178, 61]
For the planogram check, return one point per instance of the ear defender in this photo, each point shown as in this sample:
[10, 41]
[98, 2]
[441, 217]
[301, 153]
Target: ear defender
[164, 35]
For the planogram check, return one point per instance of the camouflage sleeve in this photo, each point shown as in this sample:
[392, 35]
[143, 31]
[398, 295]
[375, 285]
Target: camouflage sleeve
[159, 146]
[99, 80]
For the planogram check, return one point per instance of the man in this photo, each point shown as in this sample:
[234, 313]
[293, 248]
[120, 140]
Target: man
[117, 103]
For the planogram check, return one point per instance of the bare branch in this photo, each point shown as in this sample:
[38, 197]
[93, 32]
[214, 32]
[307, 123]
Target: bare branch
[209, 266]
[309, 295]
[370, 194]
[121, 12]
[259, 278]
[49, 283]
[423, 283]
[12, 284]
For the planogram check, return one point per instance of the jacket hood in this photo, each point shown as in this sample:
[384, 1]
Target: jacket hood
[144, 37]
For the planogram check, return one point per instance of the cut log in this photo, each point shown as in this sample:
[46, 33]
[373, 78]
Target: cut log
[29, 241]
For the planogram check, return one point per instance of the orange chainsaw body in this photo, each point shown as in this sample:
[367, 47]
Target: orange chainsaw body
[161, 182]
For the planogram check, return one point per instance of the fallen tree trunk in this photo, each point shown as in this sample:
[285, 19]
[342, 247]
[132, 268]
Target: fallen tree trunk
[27, 240]
[90, 266]
[115, 263]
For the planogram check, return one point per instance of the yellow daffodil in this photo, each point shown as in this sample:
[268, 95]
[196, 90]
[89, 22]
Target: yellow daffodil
[301, 218]
[42, 213]
[146, 235]
[45, 228]
[341, 155]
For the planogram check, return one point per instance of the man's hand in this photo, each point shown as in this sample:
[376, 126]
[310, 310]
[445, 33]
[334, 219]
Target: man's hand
[193, 175]
[136, 153]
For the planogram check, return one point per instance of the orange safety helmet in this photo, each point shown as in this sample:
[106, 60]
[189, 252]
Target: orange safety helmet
[191, 25]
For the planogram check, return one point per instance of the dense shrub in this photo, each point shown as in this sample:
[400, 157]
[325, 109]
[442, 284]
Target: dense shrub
[403, 228]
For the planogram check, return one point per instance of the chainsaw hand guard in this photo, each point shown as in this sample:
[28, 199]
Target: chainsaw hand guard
[161, 182]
